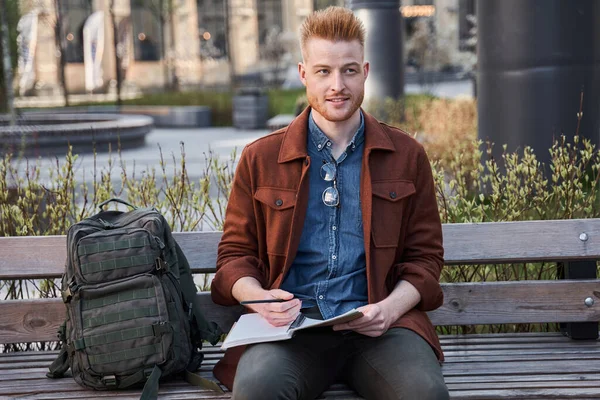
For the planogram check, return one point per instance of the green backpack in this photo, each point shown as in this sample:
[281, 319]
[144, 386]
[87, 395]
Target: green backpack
[132, 309]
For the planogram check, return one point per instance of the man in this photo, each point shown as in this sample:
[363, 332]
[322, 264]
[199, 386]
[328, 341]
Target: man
[336, 211]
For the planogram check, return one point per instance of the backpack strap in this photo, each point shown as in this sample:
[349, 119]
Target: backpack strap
[150, 391]
[208, 330]
[58, 368]
[196, 380]
[61, 364]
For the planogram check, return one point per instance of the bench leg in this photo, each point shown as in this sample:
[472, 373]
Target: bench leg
[579, 270]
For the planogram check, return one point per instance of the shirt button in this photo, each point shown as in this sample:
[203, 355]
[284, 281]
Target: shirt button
[334, 257]
[319, 146]
[329, 144]
[334, 227]
[278, 202]
[321, 297]
[393, 195]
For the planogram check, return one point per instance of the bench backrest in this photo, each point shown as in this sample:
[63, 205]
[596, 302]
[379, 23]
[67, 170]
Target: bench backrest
[465, 303]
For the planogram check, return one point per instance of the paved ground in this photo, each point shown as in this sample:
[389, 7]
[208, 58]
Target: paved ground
[199, 141]
[197, 144]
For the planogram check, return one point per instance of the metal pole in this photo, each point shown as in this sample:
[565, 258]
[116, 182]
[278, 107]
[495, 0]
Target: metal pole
[534, 58]
[7, 64]
[383, 47]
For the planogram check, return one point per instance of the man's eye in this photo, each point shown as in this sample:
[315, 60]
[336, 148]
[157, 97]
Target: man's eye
[322, 71]
[351, 70]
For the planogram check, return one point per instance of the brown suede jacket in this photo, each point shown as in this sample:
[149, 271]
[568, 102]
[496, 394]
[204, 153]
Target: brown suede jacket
[268, 202]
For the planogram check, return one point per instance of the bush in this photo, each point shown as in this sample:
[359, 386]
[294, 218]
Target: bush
[471, 187]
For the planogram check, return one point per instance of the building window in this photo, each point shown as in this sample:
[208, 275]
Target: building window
[270, 19]
[212, 28]
[322, 4]
[74, 14]
[147, 41]
[466, 8]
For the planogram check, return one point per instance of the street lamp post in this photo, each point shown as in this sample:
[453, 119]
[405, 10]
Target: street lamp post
[383, 46]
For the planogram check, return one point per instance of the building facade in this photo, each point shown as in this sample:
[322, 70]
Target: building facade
[184, 43]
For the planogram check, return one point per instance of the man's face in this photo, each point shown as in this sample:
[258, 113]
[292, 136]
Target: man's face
[334, 74]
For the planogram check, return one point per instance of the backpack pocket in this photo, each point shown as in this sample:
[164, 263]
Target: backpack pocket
[124, 326]
[116, 254]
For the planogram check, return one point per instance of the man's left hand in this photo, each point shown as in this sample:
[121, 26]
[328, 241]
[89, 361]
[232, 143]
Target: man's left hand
[375, 321]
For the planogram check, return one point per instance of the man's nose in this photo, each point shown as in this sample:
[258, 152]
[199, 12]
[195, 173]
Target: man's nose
[337, 84]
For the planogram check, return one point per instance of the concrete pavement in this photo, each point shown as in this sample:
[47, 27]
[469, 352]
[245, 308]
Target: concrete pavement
[198, 142]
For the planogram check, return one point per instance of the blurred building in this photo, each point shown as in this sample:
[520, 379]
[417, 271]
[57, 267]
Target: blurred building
[439, 34]
[188, 43]
[167, 42]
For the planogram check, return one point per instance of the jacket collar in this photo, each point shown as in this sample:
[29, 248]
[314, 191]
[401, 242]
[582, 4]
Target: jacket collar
[293, 145]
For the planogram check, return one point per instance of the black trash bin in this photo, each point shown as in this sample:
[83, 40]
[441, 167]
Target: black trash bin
[250, 102]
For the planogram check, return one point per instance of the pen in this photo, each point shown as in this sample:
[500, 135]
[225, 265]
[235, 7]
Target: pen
[263, 301]
[266, 301]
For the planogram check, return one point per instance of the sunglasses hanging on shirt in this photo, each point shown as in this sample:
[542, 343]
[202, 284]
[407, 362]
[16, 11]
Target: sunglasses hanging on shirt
[331, 195]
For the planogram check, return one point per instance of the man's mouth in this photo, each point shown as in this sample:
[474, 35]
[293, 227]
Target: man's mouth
[338, 99]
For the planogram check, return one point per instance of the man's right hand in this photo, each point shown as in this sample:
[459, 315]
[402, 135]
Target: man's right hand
[277, 314]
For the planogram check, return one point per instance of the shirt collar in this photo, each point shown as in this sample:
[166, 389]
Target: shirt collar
[320, 140]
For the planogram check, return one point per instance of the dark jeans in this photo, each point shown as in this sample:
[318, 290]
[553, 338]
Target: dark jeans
[396, 365]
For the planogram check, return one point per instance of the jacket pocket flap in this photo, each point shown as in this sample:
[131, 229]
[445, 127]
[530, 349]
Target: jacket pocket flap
[278, 199]
[393, 190]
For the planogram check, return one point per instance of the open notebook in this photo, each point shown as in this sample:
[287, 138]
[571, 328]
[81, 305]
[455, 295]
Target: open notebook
[252, 328]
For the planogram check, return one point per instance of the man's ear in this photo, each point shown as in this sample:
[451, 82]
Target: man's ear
[366, 69]
[302, 72]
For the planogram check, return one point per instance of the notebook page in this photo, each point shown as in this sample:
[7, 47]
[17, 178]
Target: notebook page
[252, 328]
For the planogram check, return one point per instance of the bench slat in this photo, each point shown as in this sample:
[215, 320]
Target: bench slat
[552, 240]
[528, 240]
[465, 303]
[517, 302]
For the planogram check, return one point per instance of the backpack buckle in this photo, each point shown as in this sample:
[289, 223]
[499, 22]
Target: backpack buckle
[66, 295]
[62, 333]
[109, 380]
[161, 265]
[147, 373]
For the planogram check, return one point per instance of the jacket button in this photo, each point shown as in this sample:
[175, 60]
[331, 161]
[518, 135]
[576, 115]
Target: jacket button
[393, 195]
[278, 202]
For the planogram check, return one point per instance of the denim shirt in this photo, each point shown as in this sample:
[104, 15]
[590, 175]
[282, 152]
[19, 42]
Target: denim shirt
[330, 267]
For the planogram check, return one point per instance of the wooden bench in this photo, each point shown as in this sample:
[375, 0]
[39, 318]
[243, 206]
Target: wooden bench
[479, 366]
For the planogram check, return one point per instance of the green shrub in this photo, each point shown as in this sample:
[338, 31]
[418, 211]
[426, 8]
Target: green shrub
[471, 187]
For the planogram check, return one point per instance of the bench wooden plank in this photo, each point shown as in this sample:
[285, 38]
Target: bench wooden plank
[465, 303]
[552, 393]
[518, 301]
[511, 379]
[559, 242]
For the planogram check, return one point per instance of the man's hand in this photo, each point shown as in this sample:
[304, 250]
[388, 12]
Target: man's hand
[375, 321]
[378, 317]
[278, 314]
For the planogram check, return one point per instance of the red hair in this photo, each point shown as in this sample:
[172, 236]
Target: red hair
[332, 23]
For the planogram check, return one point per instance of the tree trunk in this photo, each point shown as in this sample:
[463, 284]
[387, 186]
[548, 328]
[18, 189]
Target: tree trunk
[9, 96]
[60, 45]
[116, 49]
[163, 44]
[174, 80]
